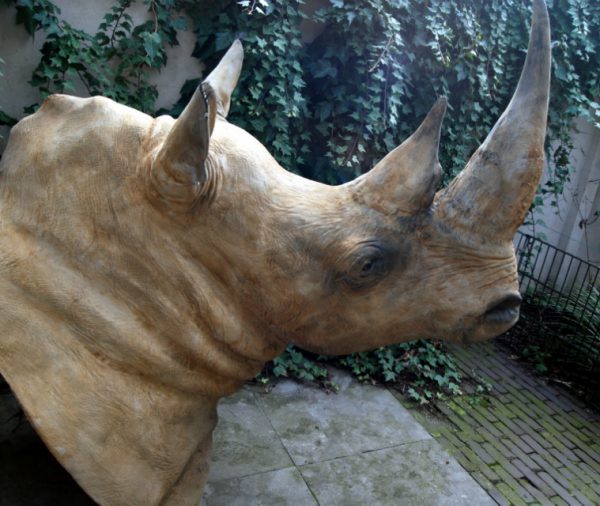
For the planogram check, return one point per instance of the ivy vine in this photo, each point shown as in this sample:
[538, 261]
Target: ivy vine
[330, 108]
[336, 105]
[114, 62]
[270, 99]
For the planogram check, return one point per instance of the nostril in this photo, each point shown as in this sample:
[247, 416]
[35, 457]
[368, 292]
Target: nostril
[504, 311]
[512, 301]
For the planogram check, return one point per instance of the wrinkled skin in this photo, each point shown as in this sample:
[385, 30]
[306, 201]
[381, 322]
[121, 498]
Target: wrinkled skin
[151, 266]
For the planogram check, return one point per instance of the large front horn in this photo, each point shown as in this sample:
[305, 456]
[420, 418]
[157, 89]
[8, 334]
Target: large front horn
[405, 180]
[492, 194]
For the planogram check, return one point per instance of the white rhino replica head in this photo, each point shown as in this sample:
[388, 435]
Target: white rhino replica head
[149, 267]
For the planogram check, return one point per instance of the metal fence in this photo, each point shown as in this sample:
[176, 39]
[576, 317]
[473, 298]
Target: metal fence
[560, 316]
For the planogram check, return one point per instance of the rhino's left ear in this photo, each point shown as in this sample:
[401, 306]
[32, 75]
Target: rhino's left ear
[179, 170]
[223, 79]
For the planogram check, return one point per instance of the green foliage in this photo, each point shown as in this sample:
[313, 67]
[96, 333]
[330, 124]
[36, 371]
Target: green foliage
[329, 109]
[422, 369]
[113, 62]
[424, 365]
[269, 100]
[5, 119]
[293, 363]
[533, 353]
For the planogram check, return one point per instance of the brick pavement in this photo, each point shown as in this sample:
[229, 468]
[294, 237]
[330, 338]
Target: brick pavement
[529, 443]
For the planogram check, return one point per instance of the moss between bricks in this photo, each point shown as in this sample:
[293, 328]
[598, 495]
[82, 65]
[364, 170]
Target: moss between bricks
[523, 447]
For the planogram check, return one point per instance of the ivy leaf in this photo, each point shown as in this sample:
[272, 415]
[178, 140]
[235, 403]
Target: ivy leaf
[7, 120]
[25, 17]
[325, 111]
[151, 44]
[279, 44]
[222, 41]
[179, 23]
[561, 73]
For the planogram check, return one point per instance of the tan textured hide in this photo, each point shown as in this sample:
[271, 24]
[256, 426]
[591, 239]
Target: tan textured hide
[149, 267]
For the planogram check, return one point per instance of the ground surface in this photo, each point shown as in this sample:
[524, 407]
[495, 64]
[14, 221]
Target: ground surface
[294, 445]
[531, 443]
[298, 445]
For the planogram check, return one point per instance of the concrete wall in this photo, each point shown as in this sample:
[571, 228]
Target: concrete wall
[21, 54]
[573, 226]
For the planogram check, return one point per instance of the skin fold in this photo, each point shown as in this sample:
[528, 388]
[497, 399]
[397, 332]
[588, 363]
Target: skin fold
[148, 267]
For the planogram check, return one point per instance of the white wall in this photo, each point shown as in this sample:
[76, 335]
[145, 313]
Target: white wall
[21, 54]
[572, 226]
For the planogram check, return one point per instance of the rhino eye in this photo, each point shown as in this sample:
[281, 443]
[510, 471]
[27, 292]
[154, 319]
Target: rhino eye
[369, 265]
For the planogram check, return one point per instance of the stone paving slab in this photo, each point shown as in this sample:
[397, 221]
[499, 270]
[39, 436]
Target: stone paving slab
[246, 441]
[315, 425]
[284, 487]
[357, 446]
[419, 473]
[532, 443]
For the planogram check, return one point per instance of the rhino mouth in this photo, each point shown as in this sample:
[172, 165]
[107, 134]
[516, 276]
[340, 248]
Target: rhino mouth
[504, 312]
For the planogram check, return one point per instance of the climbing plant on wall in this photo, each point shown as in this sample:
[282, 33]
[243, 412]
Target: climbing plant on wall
[270, 98]
[378, 65]
[114, 62]
[331, 107]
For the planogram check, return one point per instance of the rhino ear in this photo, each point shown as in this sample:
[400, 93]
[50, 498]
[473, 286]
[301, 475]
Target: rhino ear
[224, 77]
[179, 170]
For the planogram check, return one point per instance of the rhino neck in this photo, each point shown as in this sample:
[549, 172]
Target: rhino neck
[118, 365]
[147, 308]
[117, 338]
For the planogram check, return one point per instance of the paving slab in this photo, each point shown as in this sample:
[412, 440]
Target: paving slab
[284, 487]
[419, 473]
[245, 441]
[356, 446]
[315, 425]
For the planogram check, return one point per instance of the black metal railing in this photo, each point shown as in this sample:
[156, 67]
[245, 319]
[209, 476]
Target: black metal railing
[560, 316]
[546, 268]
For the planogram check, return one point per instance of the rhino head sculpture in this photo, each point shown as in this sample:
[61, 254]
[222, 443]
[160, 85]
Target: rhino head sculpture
[149, 267]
